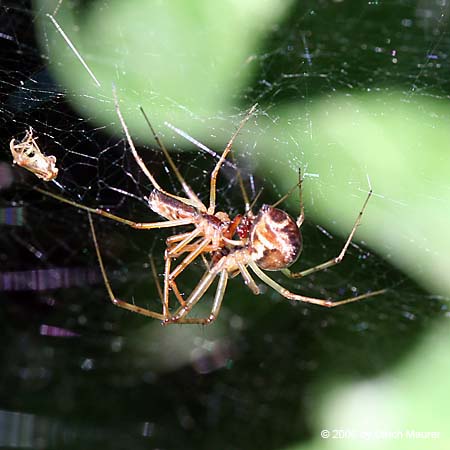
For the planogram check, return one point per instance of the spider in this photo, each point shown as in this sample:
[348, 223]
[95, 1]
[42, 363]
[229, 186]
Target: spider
[28, 155]
[267, 241]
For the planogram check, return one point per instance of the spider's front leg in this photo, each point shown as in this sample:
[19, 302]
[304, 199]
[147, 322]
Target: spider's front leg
[108, 215]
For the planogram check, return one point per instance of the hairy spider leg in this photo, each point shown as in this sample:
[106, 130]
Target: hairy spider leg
[215, 172]
[317, 301]
[113, 298]
[337, 259]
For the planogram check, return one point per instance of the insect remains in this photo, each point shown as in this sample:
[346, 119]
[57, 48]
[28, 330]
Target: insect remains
[269, 240]
[28, 155]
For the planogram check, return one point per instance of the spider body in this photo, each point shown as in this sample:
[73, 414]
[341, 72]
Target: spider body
[268, 241]
[170, 208]
[275, 239]
[271, 238]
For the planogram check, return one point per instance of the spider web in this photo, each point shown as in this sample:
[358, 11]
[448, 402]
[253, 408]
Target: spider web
[328, 76]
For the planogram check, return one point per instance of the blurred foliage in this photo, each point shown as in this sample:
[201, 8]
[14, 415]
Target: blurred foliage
[178, 59]
[378, 140]
[399, 408]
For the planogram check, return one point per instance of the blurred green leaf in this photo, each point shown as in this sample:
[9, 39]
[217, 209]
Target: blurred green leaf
[386, 411]
[381, 139]
[180, 60]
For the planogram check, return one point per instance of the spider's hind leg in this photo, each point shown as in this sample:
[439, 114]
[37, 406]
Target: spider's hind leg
[302, 298]
[337, 259]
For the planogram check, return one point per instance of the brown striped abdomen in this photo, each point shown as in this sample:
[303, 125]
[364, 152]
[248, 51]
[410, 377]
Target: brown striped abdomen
[169, 207]
[275, 239]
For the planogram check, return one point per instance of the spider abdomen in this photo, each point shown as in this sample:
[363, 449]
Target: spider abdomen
[170, 208]
[275, 239]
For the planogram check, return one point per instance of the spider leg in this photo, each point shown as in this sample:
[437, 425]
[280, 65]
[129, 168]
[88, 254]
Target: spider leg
[113, 298]
[162, 295]
[174, 251]
[215, 172]
[242, 186]
[205, 262]
[155, 278]
[169, 276]
[189, 192]
[176, 238]
[171, 253]
[141, 163]
[101, 212]
[192, 247]
[170, 285]
[178, 294]
[249, 281]
[301, 217]
[317, 301]
[196, 295]
[337, 259]
[186, 248]
[200, 248]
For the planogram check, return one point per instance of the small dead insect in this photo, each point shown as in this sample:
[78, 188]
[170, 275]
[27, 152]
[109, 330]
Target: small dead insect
[28, 155]
[267, 241]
